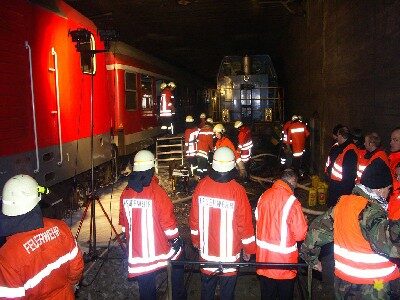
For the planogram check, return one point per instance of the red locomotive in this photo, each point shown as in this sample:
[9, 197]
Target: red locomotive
[67, 107]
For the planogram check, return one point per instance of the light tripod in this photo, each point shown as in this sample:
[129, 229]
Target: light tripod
[81, 36]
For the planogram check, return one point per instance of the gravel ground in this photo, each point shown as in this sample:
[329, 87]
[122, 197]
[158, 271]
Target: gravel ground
[106, 276]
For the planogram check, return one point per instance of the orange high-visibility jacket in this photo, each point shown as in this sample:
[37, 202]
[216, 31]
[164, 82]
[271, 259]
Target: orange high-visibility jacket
[220, 222]
[280, 225]
[363, 163]
[190, 137]
[297, 135]
[355, 261]
[44, 263]
[337, 167]
[394, 160]
[394, 205]
[205, 141]
[245, 143]
[225, 142]
[166, 103]
[148, 220]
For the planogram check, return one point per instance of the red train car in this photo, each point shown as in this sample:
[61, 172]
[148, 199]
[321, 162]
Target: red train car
[63, 110]
[45, 93]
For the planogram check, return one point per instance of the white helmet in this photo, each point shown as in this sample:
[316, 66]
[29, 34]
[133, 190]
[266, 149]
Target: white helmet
[202, 116]
[143, 161]
[209, 120]
[189, 119]
[172, 85]
[163, 85]
[219, 128]
[238, 124]
[20, 195]
[223, 160]
[294, 118]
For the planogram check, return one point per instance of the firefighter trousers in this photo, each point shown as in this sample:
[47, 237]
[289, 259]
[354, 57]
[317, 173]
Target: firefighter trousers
[209, 284]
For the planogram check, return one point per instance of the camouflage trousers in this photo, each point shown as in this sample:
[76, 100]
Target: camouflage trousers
[346, 290]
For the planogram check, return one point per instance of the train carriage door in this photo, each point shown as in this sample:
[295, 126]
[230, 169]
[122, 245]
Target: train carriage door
[246, 101]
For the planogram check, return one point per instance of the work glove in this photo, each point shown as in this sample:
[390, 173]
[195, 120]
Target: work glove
[176, 243]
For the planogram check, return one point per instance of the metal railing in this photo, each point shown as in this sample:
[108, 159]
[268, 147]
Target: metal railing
[220, 265]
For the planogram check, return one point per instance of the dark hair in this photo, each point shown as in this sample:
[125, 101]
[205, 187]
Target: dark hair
[374, 139]
[336, 129]
[288, 174]
[344, 132]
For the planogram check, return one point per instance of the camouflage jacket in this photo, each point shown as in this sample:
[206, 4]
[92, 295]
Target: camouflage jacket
[382, 234]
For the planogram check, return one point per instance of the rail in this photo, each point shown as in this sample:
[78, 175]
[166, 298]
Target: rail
[58, 112]
[27, 46]
[241, 265]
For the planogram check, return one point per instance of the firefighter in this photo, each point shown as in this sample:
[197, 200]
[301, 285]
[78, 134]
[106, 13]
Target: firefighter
[364, 239]
[148, 221]
[40, 259]
[372, 155]
[344, 168]
[333, 152]
[280, 225]
[245, 143]
[190, 137]
[297, 134]
[224, 141]
[167, 109]
[221, 224]
[202, 120]
[284, 157]
[394, 199]
[394, 156]
[204, 148]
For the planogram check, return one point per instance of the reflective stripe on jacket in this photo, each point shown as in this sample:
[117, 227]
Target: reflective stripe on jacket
[148, 221]
[297, 135]
[280, 225]
[245, 143]
[363, 163]
[205, 141]
[337, 167]
[166, 106]
[44, 263]
[355, 261]
[221, 223]
[190, 137]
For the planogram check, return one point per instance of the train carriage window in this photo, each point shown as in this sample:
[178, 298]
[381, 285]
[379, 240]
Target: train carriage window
[130, 91]
[88, 60]
[147, 92]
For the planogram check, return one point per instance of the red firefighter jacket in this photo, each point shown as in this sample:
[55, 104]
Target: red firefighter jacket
[148, 220]
[221, 223]
[280, 225]
[355, 261]
[44, 263]
[225, 142]
[394, 160]
[190, 137]
[297, 134]
[363, 161]
[205, 141]
[394, 205]
[245, 143]
[166, 103]
[285, 131]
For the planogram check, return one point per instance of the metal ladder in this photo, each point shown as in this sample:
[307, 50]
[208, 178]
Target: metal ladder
[169, 150]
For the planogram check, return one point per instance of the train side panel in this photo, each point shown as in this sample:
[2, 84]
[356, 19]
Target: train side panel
[61, 102]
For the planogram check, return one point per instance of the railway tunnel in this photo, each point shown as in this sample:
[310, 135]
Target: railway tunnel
[333, 62]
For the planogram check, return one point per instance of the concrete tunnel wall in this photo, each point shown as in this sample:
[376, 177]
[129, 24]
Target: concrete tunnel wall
[340, 63]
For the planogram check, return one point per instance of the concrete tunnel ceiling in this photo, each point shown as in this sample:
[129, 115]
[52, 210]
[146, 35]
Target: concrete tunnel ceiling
[195, 34]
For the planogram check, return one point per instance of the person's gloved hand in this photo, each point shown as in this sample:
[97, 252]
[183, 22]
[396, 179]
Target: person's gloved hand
[176, 243]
